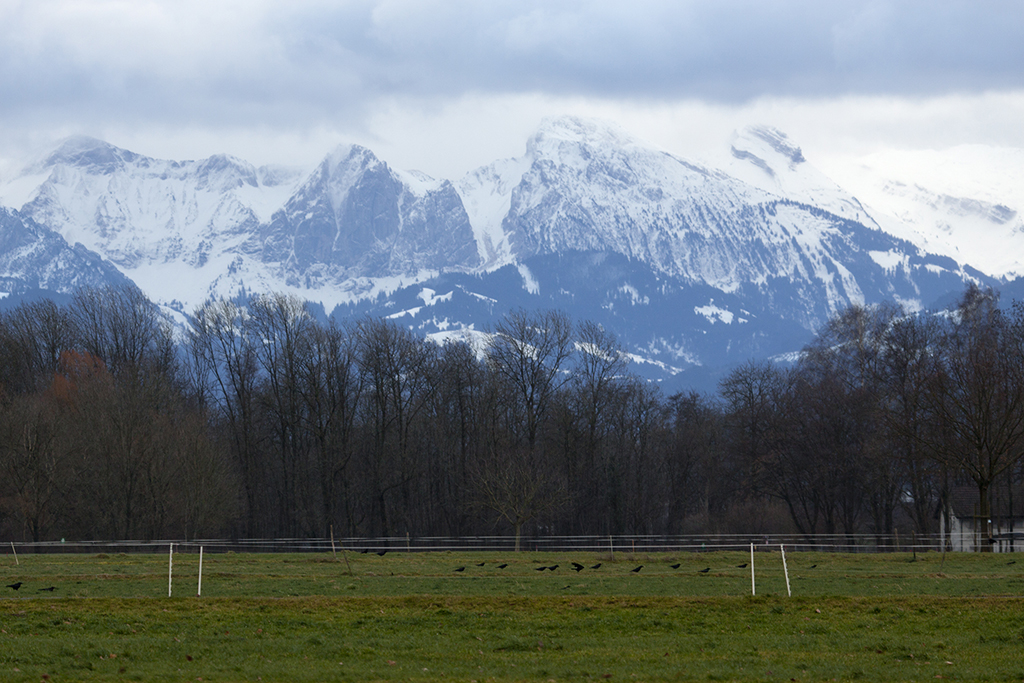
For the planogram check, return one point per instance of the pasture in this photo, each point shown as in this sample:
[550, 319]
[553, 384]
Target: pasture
[413, 616]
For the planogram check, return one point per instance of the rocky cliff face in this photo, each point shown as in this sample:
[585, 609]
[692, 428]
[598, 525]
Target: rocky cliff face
[35, 259]
[354, 217]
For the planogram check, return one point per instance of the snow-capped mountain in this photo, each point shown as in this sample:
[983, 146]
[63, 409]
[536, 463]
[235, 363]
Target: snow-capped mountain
[175, 228]
[187, 231]
[140, 211]
[590, 187]
[692, 265]
[767, 159]
[355, 217]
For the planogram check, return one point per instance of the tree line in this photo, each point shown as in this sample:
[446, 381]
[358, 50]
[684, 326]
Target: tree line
[263, 421]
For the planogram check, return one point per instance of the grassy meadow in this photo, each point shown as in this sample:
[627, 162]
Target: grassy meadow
[360, 617]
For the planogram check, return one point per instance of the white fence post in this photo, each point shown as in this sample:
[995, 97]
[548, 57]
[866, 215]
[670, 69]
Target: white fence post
[785, 569]
[753, 587]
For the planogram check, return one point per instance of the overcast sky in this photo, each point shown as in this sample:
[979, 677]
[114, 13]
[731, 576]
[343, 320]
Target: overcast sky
[446, 85]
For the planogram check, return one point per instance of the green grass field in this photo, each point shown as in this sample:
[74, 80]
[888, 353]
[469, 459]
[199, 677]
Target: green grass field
[303, 617]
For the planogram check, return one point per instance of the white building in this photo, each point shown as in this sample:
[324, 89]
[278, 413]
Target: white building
[967, 531]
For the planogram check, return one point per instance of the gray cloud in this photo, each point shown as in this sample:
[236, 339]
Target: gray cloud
[726, 50]
[192, 62]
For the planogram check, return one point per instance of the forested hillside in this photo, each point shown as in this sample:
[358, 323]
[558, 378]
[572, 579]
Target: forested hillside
[264, 421]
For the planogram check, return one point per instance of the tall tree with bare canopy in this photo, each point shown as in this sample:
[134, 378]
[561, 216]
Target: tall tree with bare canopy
[977, 394]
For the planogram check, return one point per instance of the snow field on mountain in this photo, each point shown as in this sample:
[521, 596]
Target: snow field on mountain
[487, 196]
[966, 202]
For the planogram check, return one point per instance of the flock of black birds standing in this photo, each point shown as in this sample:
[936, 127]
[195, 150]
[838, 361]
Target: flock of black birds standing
[577, 567]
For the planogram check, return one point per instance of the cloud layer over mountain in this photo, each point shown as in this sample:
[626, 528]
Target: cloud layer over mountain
[265, 61]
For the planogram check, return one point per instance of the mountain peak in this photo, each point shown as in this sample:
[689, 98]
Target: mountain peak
[768, 159]
[88, 152]
[80, 143]
[765, 146]
[351, 155]
[556, 131]
[225, 172]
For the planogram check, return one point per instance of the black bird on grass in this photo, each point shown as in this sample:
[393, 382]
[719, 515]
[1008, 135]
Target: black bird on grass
[677, 565]
[481, 564]
[596, 566]
[553, 567]
[812, 566]
[502, 565]
[460, 569]
[742, 566]
[637, 570]
[16, 585]
[1012, 562]
[704, 571]
[382, 552]
[577, 567]
[364, 551]
[48, 588]
[541, 568]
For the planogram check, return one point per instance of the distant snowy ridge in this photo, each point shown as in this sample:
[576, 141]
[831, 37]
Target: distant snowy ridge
[966, 202]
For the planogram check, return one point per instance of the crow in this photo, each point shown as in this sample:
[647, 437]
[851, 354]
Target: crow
[676, 565]
[49, 588]
[502, 565]
[742, 566]
[553, 567]
[704, 571]
[1012, 562]
[364, 551]
[812, 566]
[577, 567]
[381, 552]
[596, 566]
[540, 569]
[637, 570]
[460, 569]
[16, 585]
[481, 564]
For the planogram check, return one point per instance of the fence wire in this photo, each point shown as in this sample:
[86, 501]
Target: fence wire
[638, 544]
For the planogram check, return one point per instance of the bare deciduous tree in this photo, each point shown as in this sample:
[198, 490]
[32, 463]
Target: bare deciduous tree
[222, 352]
[976, 395]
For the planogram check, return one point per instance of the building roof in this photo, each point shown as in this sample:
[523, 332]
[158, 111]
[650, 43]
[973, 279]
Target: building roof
[1005, 501]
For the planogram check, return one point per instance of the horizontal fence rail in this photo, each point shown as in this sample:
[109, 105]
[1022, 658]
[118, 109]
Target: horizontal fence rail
[845, 543]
